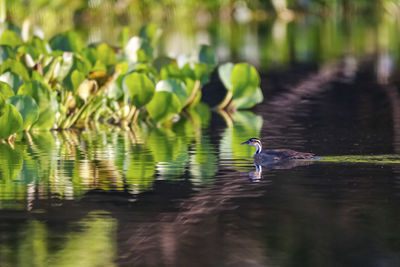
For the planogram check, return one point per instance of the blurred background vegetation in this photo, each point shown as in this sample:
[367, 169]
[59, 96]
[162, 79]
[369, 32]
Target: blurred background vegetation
[265, 33]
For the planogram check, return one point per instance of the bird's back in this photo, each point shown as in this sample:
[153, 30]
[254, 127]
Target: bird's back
[281, 154]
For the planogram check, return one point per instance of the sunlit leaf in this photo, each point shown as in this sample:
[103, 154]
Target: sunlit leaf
[202, 72]
[12, 65]
[10, 38]
[12, 79]
[10, 121]
[244, 79]
[46, 102]
[64, 66]
[249, 100]
[106, 54]
[225, 74]
[245, 82]
[77, 78]
[123, 37]
[163, 106]
[174, 86]
[5, 90]
[27, 107]
[141, 88]
[170, 71]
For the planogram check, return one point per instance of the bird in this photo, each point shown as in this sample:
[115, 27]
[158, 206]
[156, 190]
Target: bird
[264, 157]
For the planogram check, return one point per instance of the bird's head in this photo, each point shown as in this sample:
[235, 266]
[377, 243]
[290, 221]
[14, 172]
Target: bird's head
[254, 142]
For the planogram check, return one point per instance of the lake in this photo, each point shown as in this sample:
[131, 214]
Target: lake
[190, 194]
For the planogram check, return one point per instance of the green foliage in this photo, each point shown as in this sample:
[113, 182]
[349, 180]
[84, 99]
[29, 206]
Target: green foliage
[27, 107]
[46, 102]
[242, 82]
[140, 87]
[5, 90]
[16, 67]
[63, 83]
[69, 41]
[10, 121]
[163, 106]
[10, 38]
[12, 79]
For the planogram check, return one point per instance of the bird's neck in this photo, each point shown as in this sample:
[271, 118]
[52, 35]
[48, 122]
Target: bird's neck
[258, 149]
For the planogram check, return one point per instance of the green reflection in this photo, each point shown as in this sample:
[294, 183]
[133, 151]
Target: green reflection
[245, 125]
[88, 242]
[140, 173]
[68, 164]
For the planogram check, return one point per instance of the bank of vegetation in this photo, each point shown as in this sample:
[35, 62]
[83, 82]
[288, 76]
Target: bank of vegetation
[62, 82]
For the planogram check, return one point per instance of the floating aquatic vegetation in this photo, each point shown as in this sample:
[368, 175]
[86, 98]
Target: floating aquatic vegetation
[64, 83]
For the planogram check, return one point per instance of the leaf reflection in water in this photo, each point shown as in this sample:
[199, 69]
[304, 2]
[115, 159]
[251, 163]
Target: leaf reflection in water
[69, 164]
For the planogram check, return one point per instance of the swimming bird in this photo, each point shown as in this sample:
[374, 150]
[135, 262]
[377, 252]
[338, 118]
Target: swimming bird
[263, 157]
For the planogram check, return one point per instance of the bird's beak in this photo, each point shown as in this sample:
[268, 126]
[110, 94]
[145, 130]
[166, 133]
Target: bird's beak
[245, 143]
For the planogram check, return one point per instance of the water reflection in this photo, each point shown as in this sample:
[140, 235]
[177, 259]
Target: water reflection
[68, 164]
[87, 242]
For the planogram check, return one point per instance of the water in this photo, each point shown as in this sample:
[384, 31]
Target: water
[190, 195]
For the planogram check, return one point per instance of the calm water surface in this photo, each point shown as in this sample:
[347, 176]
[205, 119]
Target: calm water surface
[190, 195]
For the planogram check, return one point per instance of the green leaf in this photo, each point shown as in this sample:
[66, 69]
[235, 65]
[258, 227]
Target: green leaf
[245, 80]
[225, 75]
[106, 55]
[6, 52]
[123, 37]
[115, 90]
[27, 107]
[5, 90]
[174, 86]
[77, 78]
[163, 106]
[46, 102]
[15, 66]
[10, 121]
[10, 38]
[248, 101]
[69, 41]
[12, 79]
[149, 32]
[170, 71]
[64, 66]
[141, 88]
[202, 72]
[2, 103]
[206, 55]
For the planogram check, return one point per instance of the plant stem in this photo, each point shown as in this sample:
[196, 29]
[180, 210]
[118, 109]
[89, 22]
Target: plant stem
[192, 96]
[226, 101]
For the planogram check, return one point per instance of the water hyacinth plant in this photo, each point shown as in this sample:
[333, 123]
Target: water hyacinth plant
[64, 83]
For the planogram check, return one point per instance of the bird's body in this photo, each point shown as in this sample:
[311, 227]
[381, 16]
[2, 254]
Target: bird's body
[276, 155]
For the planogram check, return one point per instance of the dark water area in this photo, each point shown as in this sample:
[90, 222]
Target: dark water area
[191, 196]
